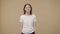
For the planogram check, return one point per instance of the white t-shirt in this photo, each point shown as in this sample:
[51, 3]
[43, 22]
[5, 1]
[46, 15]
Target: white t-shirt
[28, 21]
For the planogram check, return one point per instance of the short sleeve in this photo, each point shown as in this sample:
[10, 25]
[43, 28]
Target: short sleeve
[35, 18]
[21, 19]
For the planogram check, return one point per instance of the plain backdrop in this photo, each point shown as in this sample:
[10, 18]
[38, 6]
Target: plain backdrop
[47, 12]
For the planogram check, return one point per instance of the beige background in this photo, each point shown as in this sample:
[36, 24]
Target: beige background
[47, 12]
[0, 16]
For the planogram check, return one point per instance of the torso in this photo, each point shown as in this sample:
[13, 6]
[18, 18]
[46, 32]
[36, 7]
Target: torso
[28, 23]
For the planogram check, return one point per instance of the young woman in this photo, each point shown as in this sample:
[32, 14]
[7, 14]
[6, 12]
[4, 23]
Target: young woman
[28, 20]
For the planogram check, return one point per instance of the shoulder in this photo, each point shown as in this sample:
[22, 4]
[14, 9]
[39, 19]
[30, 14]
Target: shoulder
[33, 15]
[22, 16]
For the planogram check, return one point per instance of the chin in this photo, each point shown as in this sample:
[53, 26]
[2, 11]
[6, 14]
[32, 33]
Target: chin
[28, 11]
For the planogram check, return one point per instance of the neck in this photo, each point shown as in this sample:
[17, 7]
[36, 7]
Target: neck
[27, 13]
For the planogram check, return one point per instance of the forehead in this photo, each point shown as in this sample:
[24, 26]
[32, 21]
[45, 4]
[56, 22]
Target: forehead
[27, 5]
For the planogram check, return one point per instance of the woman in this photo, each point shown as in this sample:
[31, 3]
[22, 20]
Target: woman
[28, 20]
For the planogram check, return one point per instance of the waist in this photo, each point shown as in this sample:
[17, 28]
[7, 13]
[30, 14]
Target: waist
[27, 30]
[27, 26]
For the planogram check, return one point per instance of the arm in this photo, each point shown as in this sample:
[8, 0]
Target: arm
[21, 23]
[34, 25]
[21, 26]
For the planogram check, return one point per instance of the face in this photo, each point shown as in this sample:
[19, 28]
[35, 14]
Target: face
[27, 8]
